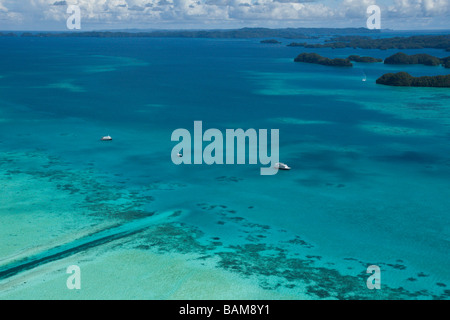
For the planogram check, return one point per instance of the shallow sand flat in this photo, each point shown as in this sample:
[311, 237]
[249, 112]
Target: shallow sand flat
[44, 204]
[108, 273]
[34, 213]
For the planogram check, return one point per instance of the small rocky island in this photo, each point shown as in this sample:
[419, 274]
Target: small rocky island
[404, 79]
[318, 59]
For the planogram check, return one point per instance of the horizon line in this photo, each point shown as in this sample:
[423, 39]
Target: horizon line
[220, 29]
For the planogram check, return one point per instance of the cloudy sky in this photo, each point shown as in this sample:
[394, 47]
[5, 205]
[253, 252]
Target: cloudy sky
[39, 15]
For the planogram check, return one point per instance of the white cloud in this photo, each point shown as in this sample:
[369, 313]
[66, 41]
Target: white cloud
[420, 8]
[354, 8]
[158, 13]
[2, 7]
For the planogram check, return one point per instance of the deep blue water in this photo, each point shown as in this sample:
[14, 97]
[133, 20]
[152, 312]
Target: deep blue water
[371, 165]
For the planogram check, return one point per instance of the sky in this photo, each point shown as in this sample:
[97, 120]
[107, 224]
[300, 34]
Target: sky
[51, 15]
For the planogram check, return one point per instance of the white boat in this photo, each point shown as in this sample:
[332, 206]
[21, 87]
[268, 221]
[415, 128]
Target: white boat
[106, 138]
[179, 155]
[364, 79]
[282, 166]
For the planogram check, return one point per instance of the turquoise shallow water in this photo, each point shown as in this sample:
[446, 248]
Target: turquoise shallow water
[369, 183]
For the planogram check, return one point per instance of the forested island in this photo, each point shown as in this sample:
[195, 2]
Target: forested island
[404, 79]
[398, 58]
[338, 62]
[9, 34]
[423, 58]
[357, 58]
[366, 42]
[318, 59]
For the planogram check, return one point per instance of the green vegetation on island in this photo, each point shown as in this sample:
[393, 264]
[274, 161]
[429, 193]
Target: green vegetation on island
[446, 62]
[365, 42]
[357, 58]
[318, 59]
[404, 79]
[337, 62]
[425, 59]
[9, 34]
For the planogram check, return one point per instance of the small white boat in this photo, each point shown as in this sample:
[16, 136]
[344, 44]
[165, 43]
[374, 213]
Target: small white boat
[282, 166]
[179, 155]
[106, 138]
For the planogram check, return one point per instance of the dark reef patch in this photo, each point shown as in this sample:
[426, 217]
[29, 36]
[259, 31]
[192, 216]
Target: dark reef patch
[100, 199]
[228, 179]
[411, 157]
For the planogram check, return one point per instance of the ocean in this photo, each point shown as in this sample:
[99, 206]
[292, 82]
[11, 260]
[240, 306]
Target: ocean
[368, 184]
